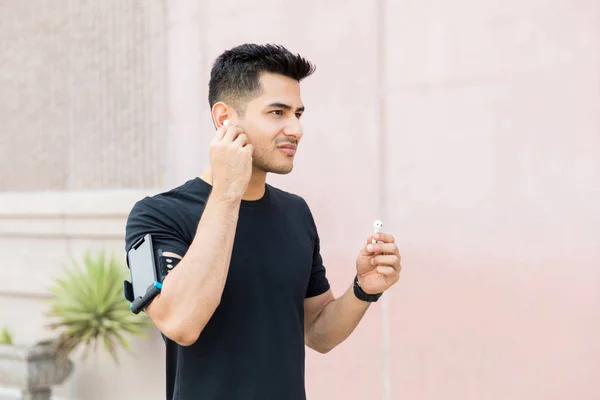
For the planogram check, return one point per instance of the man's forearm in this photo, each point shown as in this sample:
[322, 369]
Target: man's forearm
[336, 322]
[192, 291]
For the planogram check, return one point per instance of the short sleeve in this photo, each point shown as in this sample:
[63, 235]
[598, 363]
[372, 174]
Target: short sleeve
[162, 220]
[318, 283]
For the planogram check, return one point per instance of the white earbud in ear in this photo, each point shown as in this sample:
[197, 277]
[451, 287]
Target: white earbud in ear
[226, 122]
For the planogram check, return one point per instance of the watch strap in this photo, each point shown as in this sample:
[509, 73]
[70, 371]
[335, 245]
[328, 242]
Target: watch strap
[361, 295]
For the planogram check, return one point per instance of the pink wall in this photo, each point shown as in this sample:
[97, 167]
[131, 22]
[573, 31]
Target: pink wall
[489, 113]
[494, 137]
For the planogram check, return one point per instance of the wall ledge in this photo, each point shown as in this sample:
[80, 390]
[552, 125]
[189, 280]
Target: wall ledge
[67, 214]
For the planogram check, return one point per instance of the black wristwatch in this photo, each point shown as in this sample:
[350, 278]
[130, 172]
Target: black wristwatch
[361, 295]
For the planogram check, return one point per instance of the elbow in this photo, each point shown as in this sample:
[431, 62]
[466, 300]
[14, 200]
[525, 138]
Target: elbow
[186, 340]
[182, 335]
[184, 332]
[322, 348]
[182, 326]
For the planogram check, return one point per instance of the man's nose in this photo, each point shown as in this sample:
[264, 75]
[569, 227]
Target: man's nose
[294, 128]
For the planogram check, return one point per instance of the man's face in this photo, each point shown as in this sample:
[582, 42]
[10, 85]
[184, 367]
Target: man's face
[272, 123]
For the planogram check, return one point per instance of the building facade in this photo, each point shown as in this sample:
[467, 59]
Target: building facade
[470, 128]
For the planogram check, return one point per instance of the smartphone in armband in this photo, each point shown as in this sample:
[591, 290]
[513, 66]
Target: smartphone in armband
[144, 285]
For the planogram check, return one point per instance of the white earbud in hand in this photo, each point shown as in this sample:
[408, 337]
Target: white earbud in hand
[377, 225]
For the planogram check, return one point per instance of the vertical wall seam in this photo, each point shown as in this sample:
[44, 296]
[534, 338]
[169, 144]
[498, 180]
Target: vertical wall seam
[167, 129]
[381, 107]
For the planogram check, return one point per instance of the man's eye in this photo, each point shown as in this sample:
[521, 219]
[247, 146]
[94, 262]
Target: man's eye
[298, 115]
[277, 112]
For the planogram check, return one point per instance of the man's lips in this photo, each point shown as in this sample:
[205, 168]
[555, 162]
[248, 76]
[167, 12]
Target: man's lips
[288, 148]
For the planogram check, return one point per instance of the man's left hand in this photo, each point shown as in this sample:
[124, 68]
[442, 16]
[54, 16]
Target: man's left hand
[378, 264]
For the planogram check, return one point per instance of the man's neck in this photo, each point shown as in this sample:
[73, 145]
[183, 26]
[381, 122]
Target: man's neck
[256, 186]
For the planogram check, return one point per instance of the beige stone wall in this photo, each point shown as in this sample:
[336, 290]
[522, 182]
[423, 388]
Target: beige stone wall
[82, 137]
[83, 94]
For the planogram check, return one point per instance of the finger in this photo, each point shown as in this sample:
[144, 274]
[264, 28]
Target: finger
[241, 140]
[389, 248]
[249, 148]
[220, 133]
[385, 237]
[388, 271]
[232, 133]
[386, 260]
[373, 238]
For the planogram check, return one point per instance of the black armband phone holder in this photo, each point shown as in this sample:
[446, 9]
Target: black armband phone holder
[165, 264]
[145, 284]
[137, 305]
[148, 270]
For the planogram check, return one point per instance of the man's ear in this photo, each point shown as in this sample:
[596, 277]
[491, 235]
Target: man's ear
[222, 112]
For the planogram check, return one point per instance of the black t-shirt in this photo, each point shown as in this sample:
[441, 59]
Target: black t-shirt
[253, 346]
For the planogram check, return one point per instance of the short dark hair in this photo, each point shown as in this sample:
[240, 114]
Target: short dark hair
[235, 74]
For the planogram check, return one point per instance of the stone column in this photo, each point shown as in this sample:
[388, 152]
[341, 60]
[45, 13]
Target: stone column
[187, 92]
[37, 394]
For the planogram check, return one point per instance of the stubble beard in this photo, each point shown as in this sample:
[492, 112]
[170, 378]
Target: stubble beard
[267, 164]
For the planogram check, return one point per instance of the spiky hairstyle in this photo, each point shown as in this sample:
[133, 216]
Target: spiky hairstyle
[235, 74]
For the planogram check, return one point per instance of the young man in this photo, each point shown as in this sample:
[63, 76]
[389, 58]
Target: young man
[247, 288]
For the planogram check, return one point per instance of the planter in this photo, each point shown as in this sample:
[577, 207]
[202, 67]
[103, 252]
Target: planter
[34, 370]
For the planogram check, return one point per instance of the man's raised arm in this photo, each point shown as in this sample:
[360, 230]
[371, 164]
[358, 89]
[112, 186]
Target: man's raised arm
[192, 291]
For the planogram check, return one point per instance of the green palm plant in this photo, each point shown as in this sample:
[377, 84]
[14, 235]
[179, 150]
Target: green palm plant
[88, 307]
[6, 336]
